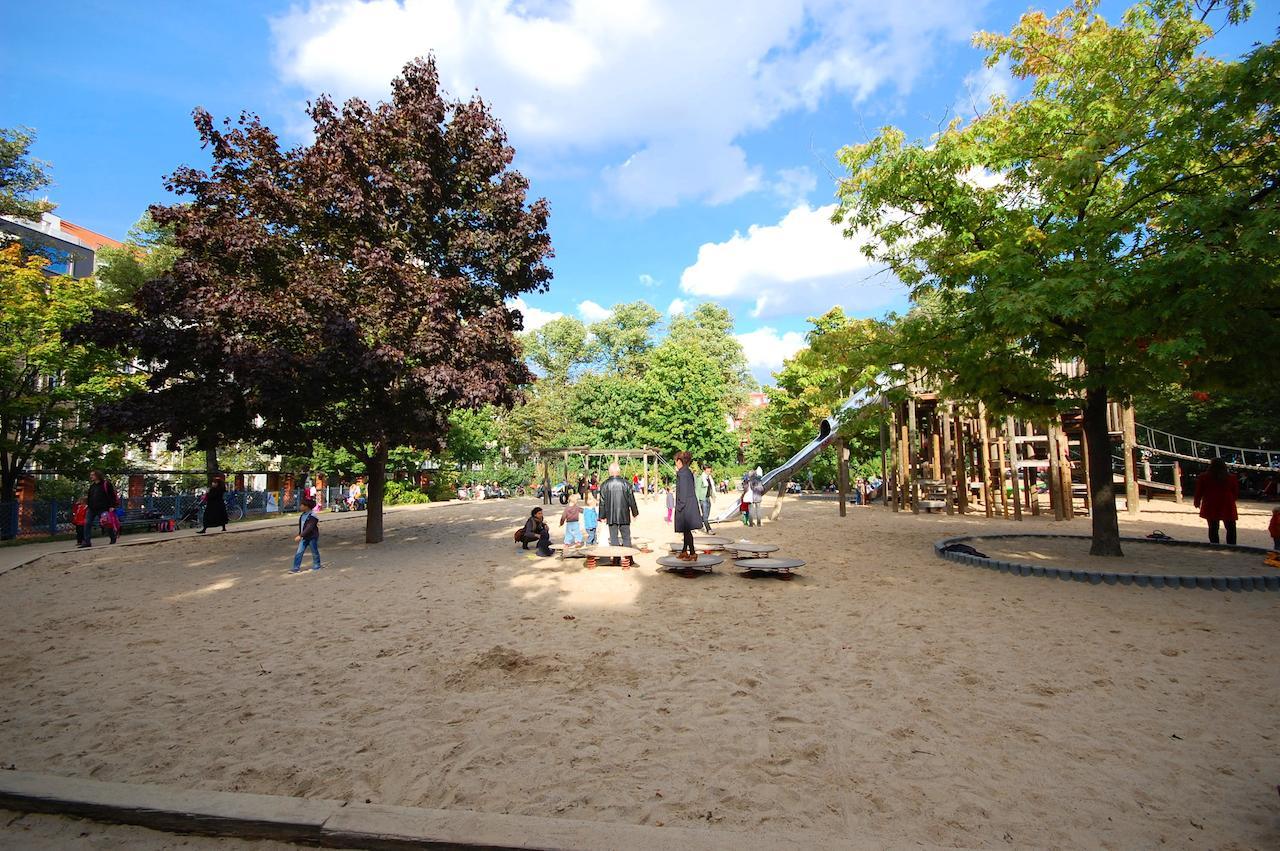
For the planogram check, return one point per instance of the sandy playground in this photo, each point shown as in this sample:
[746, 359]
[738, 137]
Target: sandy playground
[883, 697]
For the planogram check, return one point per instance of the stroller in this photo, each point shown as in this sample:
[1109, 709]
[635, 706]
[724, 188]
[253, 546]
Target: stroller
[191, 515]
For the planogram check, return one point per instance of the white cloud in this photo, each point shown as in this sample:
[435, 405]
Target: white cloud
[534, 318]
[592, 312]
[793, 185]
[677, 307]
[981, 86]
[647, 280]
[766, 349]
[802, 265]
[663, 89]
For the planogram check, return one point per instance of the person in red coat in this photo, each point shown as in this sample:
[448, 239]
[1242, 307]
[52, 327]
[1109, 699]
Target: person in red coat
[1216, 494]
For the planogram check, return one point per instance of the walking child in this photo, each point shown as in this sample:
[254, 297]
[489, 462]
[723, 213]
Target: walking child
[308, 536]
[571, 520]
[79, 512]
[1274, 529]
[671, 503]
[591, 518]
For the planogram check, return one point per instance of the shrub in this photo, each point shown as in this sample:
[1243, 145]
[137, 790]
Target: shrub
[403, 493]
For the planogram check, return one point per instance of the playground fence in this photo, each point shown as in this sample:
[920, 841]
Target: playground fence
[47, 518]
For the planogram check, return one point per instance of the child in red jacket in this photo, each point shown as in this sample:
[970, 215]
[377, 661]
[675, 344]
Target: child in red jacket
[79, 512]
[1274, 528]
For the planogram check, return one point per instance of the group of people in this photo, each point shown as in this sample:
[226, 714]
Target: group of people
[613, 503]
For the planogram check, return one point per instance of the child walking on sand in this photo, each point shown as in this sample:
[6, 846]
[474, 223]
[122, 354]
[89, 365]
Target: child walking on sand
[308, 536]
[591, 519]
[1274, 529]
[79, 513]
[671, 503]
[571, 520]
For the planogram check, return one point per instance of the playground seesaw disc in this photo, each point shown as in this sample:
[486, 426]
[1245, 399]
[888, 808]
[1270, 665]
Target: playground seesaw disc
[748, 550]
[708, 549]
[781, 566]
[704, 564]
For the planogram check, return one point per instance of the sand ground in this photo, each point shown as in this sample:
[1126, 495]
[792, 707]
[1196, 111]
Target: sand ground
[884, 696]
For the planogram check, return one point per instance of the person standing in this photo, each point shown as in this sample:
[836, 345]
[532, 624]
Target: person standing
[754, 494]
[1216, 494]
[618, 506]
[100, 499]
[215, 505]
[308, 536]
[706, 487]
[688, 513]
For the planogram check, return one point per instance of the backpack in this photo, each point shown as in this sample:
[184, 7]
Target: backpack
[518, 535]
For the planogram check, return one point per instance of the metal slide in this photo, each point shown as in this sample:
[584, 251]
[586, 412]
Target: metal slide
[826, 434]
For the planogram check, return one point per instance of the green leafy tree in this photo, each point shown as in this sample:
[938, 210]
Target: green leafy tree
[1107, 217]
[148, 253]
[609, 411]
[559, 349]
[623, 339]
[710, 328]
[20, 175]
[47, 383]
[684, 395]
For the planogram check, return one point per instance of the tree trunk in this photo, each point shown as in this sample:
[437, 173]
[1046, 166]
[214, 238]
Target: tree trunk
[211, 457]
[377, 469]
[1106, 524]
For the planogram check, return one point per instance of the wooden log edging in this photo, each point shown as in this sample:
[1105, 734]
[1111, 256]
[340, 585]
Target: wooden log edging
[1265, 582]
[344, 824]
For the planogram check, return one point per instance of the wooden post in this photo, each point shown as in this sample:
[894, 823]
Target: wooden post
[884, 464]
[984, 458]
[1011, 439]
[948, 457]
[935, 446]
[1177, 481]
[904, 457]
[842, 472]
[646, 473]
[1055, 474]
[1130, 439]
[962, 466]
[913, 441]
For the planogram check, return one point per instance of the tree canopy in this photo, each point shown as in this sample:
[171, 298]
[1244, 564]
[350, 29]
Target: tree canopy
[1103, 217]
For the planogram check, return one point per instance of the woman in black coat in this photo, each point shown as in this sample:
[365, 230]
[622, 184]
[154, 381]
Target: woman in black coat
[215, 505]
[688, 512]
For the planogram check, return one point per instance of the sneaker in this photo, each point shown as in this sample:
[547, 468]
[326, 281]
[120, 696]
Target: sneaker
[318, 567]
[295, 570]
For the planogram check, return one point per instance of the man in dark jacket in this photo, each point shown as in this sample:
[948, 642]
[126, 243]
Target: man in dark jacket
[618, 506]
[101, 498]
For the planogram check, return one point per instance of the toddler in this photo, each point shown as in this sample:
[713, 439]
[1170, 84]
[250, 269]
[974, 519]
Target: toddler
[308, 536]
[671, 503]
[79, 514]
[591, 519]
[572, 523]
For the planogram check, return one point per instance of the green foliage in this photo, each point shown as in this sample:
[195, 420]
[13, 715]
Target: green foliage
[47, 384]
[20, 175]
[685, 409]
[709, 327]
[404, 493]
[559, 349]
[149, 252]
[625, 337]
[1233, 419]
[1123, 213]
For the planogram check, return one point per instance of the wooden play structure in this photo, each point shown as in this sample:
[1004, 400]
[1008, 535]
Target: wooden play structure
[546, 457]
[943, 455]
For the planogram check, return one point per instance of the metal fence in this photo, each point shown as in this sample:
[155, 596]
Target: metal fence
[45, 518]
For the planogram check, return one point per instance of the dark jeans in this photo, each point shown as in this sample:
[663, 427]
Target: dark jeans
[89, 520]
[619, 531]
[706, 514]
[80, 530]
[1231, 532]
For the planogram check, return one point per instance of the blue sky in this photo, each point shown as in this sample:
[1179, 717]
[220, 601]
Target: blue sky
[687, 148]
